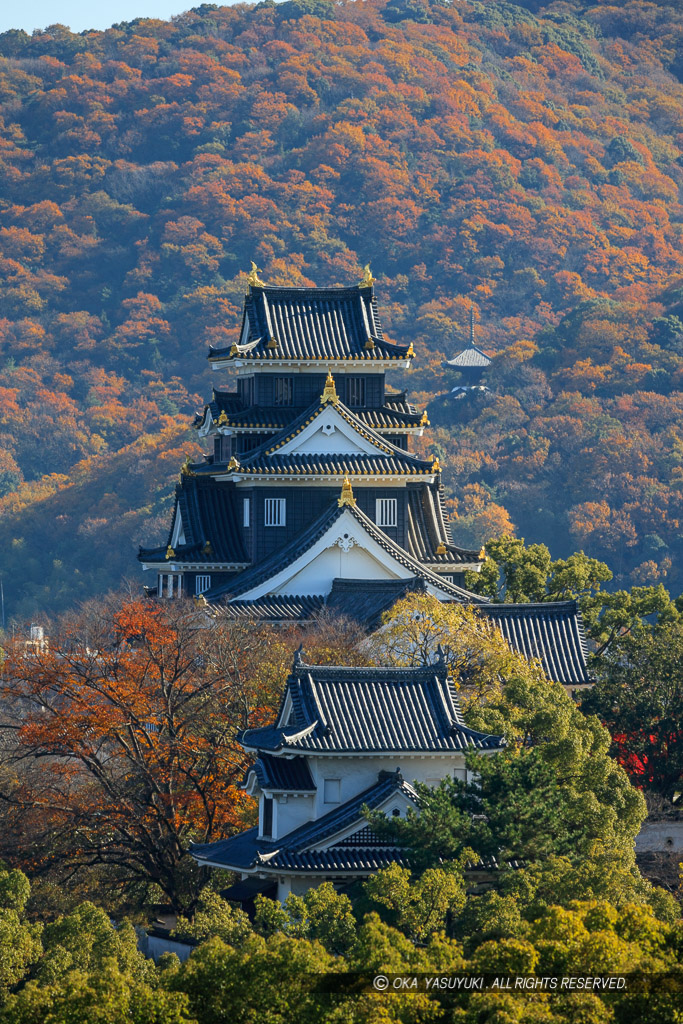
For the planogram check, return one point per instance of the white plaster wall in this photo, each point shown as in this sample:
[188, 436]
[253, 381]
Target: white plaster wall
[660, 837]
[355, 564]
[298, 884]
[357, 774]
[290, 812]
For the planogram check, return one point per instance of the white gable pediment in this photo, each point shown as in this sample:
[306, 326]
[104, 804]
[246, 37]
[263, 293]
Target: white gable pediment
[329, 433]
[178, 537]
[345, 551]
[397, 801]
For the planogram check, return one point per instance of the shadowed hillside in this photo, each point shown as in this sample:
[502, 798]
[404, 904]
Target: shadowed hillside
[526, 159]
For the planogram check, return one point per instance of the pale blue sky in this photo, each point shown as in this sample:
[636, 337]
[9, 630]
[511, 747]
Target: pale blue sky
[82, 14]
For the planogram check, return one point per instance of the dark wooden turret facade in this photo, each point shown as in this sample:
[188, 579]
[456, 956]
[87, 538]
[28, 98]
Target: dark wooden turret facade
[309, 407]
[309, 495]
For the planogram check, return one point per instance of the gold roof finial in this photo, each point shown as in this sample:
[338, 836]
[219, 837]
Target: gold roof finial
[234, 349]
[482, 553]
[436, 466]
[347, 497]
[185, 468]
[207, 549]
[233, 464]
[201, 601]
[222, 419]
[272, 342]
[253, 280]
[441, 550]
[367, 280]
[329, 392]
[424, 422]
[411, 351]
[170, 553]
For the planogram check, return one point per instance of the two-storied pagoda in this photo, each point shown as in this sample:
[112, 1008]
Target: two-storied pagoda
[310, 496]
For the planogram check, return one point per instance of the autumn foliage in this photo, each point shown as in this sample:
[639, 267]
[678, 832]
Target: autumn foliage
[524, 159]
[122, 747]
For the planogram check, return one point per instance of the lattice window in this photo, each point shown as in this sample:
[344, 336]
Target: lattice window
[201, 583]
[355, 391]
[275, 512]
[364, 837]
[386, 511]
[284, 391]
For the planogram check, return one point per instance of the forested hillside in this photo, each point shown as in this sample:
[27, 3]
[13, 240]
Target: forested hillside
[525, 158]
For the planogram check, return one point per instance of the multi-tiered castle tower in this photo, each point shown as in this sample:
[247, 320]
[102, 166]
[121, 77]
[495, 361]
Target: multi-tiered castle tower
[310, 496]
[310, 481]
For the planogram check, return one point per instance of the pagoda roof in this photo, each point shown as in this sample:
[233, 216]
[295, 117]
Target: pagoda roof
[339, 710]
[290, 553]
[210, 525]
[296, 851]
[551, 631]
[469, 359]
[311, 324]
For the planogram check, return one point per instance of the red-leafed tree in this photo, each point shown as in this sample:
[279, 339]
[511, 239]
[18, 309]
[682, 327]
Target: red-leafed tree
[120, 742]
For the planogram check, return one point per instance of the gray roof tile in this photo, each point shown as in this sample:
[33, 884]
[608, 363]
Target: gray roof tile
[353, 710]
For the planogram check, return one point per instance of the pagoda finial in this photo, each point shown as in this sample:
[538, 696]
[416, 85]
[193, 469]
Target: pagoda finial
[367, 280]
[253, 280]
[347, 497]
[329, 392]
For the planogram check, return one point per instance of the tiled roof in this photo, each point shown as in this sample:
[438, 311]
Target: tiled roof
[386, 417]
[333, 465]
[427, 529]
[311, 323]
[285, 774]
[279, 560]
[294, 850]
[470, 358]
[354, 710]
[551, 631]
[365, 601]
[338, 859]
[208, 514]
[273, 608]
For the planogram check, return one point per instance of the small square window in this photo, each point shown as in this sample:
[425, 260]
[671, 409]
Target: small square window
[386, 511]
[201, 584]
[275, 512]
[332, 791]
